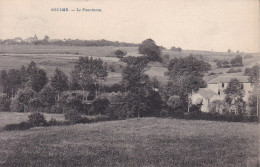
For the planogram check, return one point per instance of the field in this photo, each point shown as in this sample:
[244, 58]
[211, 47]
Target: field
[134, 142]
[64, 57]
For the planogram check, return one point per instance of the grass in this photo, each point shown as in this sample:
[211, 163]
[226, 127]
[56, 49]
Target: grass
[134, 142]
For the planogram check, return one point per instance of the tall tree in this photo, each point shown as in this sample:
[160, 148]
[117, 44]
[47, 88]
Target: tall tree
[237, 61]
[186, 76]
[89, 73]
[150, 49]
[37, 80]
[59, 81]
[234, 96]
[140, 95]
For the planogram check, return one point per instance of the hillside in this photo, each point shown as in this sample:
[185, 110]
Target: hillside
[134, 142]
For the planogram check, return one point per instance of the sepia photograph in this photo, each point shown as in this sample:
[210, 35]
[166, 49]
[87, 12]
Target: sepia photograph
[129, 83]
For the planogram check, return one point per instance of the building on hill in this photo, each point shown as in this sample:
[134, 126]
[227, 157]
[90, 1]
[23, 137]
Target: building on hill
[31, 39]
[215, 91]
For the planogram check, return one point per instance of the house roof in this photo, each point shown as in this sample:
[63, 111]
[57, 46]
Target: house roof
[206, 93]
[226, 79]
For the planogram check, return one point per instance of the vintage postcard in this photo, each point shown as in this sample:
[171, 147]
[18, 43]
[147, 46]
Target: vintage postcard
[129, 83]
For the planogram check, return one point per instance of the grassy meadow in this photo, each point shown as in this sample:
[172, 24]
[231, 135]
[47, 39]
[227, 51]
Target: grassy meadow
[134, 142]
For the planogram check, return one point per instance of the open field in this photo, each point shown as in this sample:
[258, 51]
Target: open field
[64, 57]
[134, 142]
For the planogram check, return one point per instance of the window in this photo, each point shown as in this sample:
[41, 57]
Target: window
[242, 86]
[223, 85]
[218, 92]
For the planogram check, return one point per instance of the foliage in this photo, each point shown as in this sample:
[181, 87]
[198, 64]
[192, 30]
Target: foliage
[100, 106]
[59, 81]
[234, 96]
[18, 126]
[232, 70]
[21, 101]
[254, 75]
[188, 66]
[119, 53]
[117, 108]
[174, 102]
[178, 49]
[47, 96]
[252, 103]
[4, 102]
[218, 106]
[237, 61]
[117, 87]
[36, 119]
[150, 49]
[72, 116]
[88, 72]
[37, 77]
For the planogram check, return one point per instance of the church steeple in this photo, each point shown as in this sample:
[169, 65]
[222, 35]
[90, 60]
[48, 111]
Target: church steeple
[35, 37]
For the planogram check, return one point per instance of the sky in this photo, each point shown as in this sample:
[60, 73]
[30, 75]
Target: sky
[189, 24]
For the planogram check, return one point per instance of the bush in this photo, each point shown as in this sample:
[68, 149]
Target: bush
[164, 113]
[37, 119]
[53, 122]
[100, 106]
[212, 73]
[18, 126]
[72, 116]
[120, 54]
[232, 70]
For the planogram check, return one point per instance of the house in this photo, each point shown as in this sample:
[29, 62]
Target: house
[215, 91]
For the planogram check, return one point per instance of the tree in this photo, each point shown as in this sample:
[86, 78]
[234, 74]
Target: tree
[254, 75]
[237, 61]
[47, 96]
[139, 95]
[188, 66]
[186, 76]
[150, 49]
[4, 102]
[59, 81]
[174, 102]
[20, 102]
[100, 105]
[254, 78]
[234, 96]
[38, 79]
[89, 73]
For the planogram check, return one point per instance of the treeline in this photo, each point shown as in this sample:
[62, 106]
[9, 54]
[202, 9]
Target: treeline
[69, 42]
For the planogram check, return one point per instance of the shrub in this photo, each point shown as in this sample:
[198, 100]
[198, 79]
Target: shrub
[119, 53]
[212, 73]
[37, 119]
[100, 106]
[237, 61]
[232, 70]
[72, 116]
[52, 122]
[164, 113]
[19, 126]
